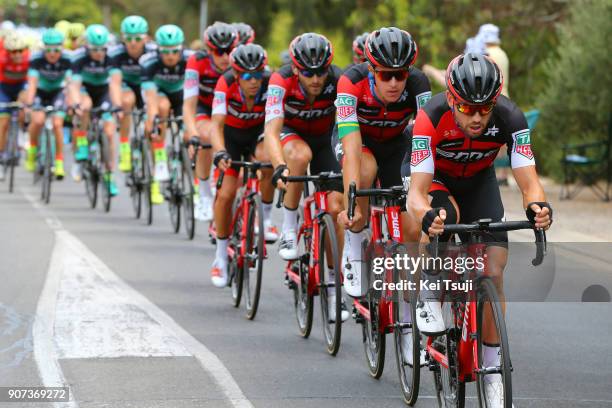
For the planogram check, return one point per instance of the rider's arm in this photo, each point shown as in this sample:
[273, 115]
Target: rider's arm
[219, 112]
[275, 116]
[76, 81]
[149, 88]
[31, 86]
[348, 132]
[114, 87]
[191, 91]
[529, 184]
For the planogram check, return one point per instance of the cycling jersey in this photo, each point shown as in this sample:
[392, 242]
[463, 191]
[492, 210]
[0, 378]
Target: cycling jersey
[90, 72]
[155, 75]
[456, 155]
[230, 101]
[131, 70]
[51, 77]
[12, 73]
[201, 77]
[286, 99]
[360, 109]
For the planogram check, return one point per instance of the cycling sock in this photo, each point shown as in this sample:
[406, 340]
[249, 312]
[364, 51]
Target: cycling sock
[267, 209]
[221, 253]
[491, 358]
[406, 312]
[289, 219]
[124, 139]
[331, 291]
[354, 244]
[59, 155]
[205, 190]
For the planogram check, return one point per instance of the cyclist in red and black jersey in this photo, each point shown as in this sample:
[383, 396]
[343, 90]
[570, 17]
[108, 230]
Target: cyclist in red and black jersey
[237, 129]
[300, 115]
[358, 50]
[455, 140]
[203, 70]
[246, 34]
[375, 102]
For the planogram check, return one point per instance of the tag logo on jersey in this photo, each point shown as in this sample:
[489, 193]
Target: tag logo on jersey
[522, 143]
[191, 79]
[420, 150]
[422, 99]
[275, 95]
[345, 105]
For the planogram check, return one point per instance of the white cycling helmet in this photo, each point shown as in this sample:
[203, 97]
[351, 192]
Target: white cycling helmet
[14, 41]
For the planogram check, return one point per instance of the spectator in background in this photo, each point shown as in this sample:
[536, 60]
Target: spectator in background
[472, 44]
[489, 35]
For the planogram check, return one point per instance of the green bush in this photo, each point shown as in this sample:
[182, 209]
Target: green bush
[576, 103]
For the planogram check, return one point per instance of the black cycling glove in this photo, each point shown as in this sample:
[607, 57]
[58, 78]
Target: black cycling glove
[278, 173]
[531, 214]
[220, 155]
[429, 218]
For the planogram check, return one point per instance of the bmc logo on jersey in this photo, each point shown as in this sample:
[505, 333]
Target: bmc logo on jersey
[465, 157]
[420, 150]
[522, 144]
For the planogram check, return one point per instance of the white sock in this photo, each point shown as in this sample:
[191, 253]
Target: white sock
[354, 240]
[331, 279]
[267, 209]
[289, 219]
[406, 312]
[205, 191]
[221, 253]
[491, 358]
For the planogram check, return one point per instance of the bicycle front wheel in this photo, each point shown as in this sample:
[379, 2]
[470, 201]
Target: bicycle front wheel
[105, 159]
[187, 194]
[135, 178]
[254, 256]
[12, 160]
[330, 290]
[489, 308]
[147, 178]
[47, 169]
[174, 191]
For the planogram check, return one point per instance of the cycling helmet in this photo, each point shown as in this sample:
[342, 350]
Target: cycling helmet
[14, 42]
[311, 51]
[474, 78]
[169, 35]
[134, 25]
[358, 46]
[248, 58]
[52, 36]
[7, 25]
[221, 36]
[97, 35]
[75, 30]
[246, 34]
[390, 47]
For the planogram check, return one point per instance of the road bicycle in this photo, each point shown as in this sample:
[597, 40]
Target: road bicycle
[11, 151]
[141, 174]
[45, 165]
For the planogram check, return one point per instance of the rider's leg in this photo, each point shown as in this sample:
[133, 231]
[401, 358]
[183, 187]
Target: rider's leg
[37, 120]
[297, 155]
[202, 171]
[5, 119]
[223, 218]
[128, 101]
[159, 143]
[267, 193]
[79, 139]
[58, 131]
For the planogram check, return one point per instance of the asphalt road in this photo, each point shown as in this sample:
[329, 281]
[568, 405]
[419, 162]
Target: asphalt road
[126, 315]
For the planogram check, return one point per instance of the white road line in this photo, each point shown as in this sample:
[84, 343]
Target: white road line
[45, 351]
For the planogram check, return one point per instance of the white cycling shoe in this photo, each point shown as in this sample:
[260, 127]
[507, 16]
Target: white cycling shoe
[161, 171]
[331, 311]
[494, 391]
[76, 171]
[203, 210]
[270, 231]
[407, 350]
[429, 318]
[288, 249]
[218, 274]
[352, 277]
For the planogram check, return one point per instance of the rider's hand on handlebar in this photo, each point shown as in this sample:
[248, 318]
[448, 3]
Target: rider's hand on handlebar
[433, 221]
[344, 220]
[542, 215]
[222, 160]
[279, 172]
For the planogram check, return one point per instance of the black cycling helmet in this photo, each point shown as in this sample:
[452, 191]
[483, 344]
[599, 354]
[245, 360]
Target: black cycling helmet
[474, 78]
[359, 46]
[311, 51]
[248, 58]
[220, 36]
[390, 47]
[246, 34]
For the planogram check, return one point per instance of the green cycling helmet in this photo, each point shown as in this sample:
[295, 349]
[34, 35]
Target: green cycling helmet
[169, 35]
[96, 35]
[134, 25]
[52, 37]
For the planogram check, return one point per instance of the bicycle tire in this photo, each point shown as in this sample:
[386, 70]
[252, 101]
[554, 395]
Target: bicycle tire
[12, 161]
[332, 331]
[147, 159]
[254, 242]
[136, 176]
[235, 280]
[187, 194]
[105, 154]
[303, 302]
[47, 173]
[409, 376]
[174, 192]
[374, 342]
[487, 291]
[91, 176]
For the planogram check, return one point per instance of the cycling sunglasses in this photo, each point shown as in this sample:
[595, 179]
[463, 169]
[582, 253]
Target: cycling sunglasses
[247, 76]
[16, 51]
[221, 52]
[53, 49]
[97, 49]
[309, 73]
[130, 38]
[174, 50]
[471, 110]
[386, 76]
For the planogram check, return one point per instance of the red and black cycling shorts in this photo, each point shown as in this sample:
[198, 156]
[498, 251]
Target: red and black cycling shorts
[203, 112]
[240, 144]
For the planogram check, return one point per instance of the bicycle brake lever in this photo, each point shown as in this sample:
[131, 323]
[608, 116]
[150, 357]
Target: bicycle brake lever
[351, 200]
[281, 197]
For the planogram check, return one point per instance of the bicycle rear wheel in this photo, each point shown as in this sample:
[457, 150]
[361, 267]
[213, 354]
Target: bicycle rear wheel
[254, 256]
[374, 341]
[409, 375]
[47, 169]
[235, 272]
[135, 178]
[332, 329]
[489, 300]
[174, 191]
[187, 193]
[105, 158]
[147, 177]
[12, 160]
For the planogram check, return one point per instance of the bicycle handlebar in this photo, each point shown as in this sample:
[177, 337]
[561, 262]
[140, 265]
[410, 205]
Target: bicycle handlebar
[11, 105]
[394, 193]
[244, 164]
